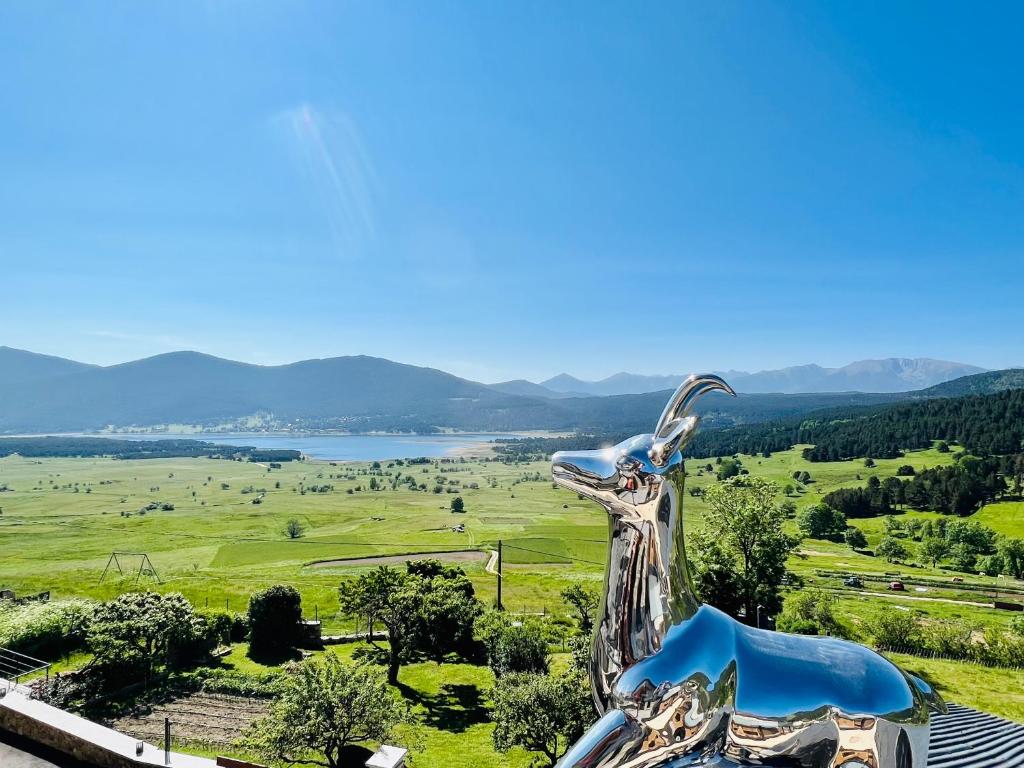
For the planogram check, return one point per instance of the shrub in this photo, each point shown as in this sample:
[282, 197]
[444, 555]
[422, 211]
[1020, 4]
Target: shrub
[949, 638]
[896, 629]
[45, 629]
[1004, 649]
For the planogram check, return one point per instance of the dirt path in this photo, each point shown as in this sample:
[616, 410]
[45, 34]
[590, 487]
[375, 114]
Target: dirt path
[458, 556]
[492, 563]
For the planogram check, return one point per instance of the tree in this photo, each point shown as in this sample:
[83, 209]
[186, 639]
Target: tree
[294, 529]
[458, 505]
[514, 647]
[964, 557]
[892, 549]
[729, 467]
[976, 537]
[541, 713]
[714, 574]
[809, 613]
[933, 549]
[429, 609]
[747, 524]
[1012, 553]
[821, 522]
[906, 470]
[892, 524]
[991, 565]
[585, 603]
[274, 617]
[897, 630]
[326, 706]
[447, 608]
[386, 596]
[855, 538]
[140, 631]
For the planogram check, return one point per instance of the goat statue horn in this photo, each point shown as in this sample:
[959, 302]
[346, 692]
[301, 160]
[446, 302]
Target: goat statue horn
[674, 426]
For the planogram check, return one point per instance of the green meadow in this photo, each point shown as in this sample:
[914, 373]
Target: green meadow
[62, 518]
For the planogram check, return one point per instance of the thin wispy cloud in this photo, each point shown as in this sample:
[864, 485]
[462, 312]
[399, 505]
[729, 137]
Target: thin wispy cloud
[332, 157]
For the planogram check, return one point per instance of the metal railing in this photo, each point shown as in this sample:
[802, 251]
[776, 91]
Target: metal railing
[14, 666]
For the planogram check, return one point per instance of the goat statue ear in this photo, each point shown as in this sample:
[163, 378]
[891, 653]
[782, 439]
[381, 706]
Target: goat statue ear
[676, 426]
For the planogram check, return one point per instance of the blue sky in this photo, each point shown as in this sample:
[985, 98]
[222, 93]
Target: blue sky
[510, 190]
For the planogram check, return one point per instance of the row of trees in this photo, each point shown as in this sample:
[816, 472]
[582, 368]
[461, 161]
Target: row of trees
[906, 632]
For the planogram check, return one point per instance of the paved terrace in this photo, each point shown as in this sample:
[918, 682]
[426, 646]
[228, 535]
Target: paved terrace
[90, 743]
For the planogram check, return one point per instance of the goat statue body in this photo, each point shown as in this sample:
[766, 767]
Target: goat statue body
[682, 684]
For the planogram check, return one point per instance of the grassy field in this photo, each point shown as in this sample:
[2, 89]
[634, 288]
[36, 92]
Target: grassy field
[62, 518]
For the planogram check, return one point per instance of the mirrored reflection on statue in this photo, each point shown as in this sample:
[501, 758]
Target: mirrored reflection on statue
[678, 683]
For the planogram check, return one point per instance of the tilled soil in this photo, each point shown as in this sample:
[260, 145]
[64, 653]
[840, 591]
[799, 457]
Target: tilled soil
[211, 718]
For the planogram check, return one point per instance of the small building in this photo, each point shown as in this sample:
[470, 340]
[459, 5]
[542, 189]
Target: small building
[310, 634]
[387, 757]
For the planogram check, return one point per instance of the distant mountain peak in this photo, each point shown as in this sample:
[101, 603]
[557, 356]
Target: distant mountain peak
[887, 375]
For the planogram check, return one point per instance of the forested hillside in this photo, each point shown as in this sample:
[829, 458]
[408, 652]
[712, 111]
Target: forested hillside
[54, 446]
[983, 424]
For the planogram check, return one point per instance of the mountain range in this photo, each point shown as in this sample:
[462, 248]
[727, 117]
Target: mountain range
[893, 374]
[40, 394]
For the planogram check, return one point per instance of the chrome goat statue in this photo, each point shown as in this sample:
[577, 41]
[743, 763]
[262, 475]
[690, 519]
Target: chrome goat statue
[682, 684]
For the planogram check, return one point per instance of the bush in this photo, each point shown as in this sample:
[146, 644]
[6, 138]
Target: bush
[47, 630]
[897, 629]
[1004, 649]
[274, 616]
[855, 538]
[949, 638]
[796, 625]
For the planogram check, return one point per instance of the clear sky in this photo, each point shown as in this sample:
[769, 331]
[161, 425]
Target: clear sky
[514, 189]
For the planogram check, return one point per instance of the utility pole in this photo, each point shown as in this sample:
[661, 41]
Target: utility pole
[167, 741]
[499, 576]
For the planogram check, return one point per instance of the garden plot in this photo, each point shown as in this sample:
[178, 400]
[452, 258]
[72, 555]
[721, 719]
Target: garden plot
[217, 719]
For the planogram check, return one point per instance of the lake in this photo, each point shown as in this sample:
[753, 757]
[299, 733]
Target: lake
[340, 447]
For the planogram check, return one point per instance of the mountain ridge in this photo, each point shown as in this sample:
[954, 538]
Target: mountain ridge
[893, 374]
[356, 393]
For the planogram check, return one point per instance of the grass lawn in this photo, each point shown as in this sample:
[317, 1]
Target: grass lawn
[1005, 517]
[450, 706]
[999, 691]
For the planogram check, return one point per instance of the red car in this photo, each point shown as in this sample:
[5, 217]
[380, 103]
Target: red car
[897, 586]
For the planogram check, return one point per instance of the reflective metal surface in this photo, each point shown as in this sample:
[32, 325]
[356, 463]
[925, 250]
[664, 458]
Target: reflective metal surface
[681, 684]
